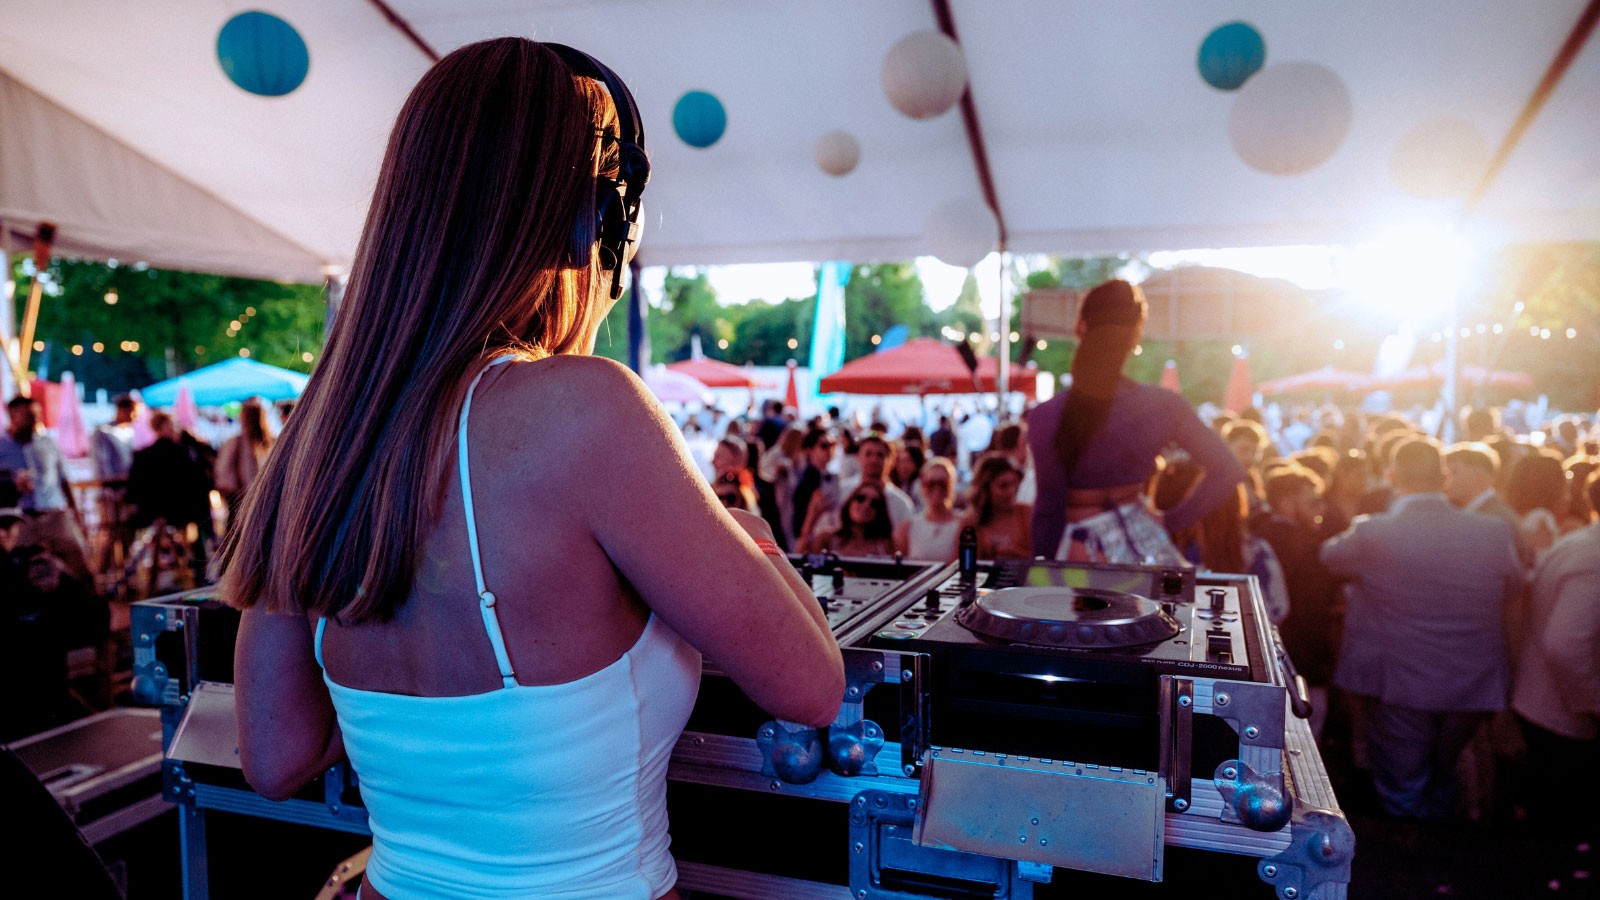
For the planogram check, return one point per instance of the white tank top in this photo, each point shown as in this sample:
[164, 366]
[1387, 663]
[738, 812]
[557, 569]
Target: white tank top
[932, 540]
[554, 791]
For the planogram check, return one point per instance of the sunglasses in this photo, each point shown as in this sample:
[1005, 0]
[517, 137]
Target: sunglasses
[935, 482]
[866, 498]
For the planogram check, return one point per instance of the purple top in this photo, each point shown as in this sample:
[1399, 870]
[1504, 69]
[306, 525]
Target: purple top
[1143, 420]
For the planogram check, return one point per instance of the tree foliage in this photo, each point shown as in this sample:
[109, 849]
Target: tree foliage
[178, 320]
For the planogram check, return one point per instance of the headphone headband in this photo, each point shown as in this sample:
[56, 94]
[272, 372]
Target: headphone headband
[616, 201]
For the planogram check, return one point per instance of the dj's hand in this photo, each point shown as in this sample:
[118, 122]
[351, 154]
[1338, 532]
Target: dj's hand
[753, 525]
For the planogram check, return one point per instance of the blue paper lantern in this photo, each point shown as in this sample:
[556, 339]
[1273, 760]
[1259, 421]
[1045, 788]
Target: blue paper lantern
[1230, 54]
[699, 119]
[263, 54]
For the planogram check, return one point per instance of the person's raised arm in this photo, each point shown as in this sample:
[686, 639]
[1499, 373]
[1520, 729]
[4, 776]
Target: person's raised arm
[1221, 470]
[691, 562]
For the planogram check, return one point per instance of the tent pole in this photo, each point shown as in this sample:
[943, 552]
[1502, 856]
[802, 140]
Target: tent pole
[30, 319]
[1002, 382]
[12, 374]
[638, 338]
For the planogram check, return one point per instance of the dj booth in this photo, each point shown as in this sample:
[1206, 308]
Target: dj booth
[1001, 722]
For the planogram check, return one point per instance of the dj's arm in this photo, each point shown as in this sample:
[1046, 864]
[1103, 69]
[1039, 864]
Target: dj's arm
[1221, 471]
[287, 729]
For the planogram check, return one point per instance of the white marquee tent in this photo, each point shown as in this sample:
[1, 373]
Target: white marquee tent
[118, 124]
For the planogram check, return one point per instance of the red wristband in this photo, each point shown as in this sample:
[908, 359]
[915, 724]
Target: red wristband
[768, 547]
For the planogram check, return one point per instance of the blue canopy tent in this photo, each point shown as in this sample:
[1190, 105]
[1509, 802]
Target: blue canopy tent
[226, 382]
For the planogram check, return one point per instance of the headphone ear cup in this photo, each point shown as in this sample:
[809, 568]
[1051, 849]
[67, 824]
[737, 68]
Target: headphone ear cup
[611, 226]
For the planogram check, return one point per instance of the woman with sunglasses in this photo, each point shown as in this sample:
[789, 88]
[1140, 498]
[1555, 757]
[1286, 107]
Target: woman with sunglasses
[934, 532]
[864, 528]
[507, 654]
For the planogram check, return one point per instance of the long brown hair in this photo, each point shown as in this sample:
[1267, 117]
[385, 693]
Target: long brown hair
[464, 257]
[992, 466]
[1113, 317]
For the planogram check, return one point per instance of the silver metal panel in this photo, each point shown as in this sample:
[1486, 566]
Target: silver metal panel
[1310, 779]
[113, 824]
[209, 733]
[352, 819]
[1094, 818]
[1266, 760]
[828, 786]
[755, 885]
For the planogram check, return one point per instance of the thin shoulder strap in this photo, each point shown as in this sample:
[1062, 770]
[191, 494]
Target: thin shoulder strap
[316, 646]
[486, 598]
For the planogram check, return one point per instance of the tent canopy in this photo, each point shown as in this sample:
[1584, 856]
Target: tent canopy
[227, 382]
[1099, 130]
[716, 373]
[921, 366]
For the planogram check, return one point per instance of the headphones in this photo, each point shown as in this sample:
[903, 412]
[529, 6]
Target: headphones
[616, 200]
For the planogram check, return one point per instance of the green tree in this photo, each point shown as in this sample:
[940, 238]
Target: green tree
[175, 320]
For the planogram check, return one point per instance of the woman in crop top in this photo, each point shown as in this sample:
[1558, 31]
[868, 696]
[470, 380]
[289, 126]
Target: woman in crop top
[479, 561]
[1095, 446]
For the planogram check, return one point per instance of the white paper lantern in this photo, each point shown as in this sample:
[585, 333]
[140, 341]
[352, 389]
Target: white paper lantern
[961, 232]
[838, 152]
[1290, 118]
[924, 74]
[1439, 159]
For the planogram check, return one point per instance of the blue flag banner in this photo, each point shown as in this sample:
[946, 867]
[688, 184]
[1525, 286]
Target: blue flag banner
[894, 337]
[827, 336]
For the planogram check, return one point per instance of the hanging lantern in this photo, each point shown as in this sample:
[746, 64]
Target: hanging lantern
[1439, 159]
[699, 119]
[838, 152]
[1230, 54]
[961, 232]
[924, 74]
[262, 54]
[1290, 118]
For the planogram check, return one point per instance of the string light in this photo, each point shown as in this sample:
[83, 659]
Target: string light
[38, 346]
[235, 325]
[1482, 328]
[1015, 337]
[877, 339]
[974, 337]
[1572, 332]
[244, 352]
[1138, 349]
[1544, 334]
[111, 297]
[306, 356]
[133, 346]
[99, 347]
[793, 343]
[722, 344]
[249, 310]
[1238, 350]
[1338, 345]
[1533, 331]
[77, 349]
[1042, 344]
[1498, 328]
[1466, 332]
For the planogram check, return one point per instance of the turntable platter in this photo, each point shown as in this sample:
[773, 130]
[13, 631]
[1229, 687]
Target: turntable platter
[1068, 617]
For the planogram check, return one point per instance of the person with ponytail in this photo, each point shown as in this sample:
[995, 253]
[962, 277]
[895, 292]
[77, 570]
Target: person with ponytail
[1095, 446]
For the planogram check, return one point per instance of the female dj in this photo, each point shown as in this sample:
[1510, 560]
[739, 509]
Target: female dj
[1095, 446]
[479, 561]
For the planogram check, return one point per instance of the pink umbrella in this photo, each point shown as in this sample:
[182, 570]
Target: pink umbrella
[184, 411]
[1169, 376]
[1237, 398]
[676, 387]
[71, 434]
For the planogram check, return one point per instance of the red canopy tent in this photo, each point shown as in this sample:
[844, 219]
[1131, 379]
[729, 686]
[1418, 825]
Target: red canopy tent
[1471, 376]
[716, 373]
[922, 366]
[1327, 378]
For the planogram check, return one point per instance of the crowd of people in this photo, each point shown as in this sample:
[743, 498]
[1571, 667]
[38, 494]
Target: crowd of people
[144, 523]
[1443, 601]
